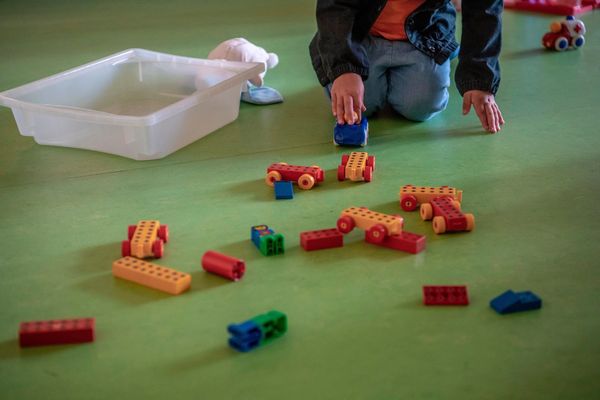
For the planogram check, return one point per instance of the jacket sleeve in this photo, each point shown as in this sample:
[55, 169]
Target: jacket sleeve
[335, 48]
[478, 67]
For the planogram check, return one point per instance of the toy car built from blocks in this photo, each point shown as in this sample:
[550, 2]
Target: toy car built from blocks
[305, 176]
[565, 34]
[146, 239]
[447, 215]
[411, 196]
[377, 225]
[351, 134]
[356, 166]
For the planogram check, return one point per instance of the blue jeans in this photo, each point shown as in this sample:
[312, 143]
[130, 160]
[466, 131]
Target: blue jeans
[414, 85]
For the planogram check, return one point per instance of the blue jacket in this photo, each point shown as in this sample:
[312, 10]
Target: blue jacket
[343, 24]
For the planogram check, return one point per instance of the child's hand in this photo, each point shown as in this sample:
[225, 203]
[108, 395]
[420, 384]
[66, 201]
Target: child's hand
[486, 109]
[347, 94]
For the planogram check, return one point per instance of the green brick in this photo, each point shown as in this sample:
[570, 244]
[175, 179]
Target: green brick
[272, 325]
[271, 245]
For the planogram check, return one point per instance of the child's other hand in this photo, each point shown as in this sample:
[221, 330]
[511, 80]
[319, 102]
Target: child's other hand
[486, 109]
[347, 94]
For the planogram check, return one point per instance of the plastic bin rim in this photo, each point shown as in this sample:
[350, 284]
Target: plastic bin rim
[246, 71]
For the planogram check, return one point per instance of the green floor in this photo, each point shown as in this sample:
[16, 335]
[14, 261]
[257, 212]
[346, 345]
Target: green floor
[357, 327]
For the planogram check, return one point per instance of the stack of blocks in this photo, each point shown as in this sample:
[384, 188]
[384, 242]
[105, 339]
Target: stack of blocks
[266, 240]
[257, 331]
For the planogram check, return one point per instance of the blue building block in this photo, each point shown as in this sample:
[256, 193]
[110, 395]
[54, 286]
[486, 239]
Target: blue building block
[266, 240]
[283, 190]
[245, 336]
[351, 135]
[510, 302]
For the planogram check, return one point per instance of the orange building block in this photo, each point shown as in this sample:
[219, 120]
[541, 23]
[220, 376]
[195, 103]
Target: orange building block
[146, 239]
[377, 225]
[154, 276]
[411, 196]
[358, 166]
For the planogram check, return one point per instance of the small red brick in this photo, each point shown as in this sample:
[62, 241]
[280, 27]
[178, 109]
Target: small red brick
[321, 239]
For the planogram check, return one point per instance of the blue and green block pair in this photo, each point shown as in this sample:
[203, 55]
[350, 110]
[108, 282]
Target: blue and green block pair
[257, 331]
[266, 240]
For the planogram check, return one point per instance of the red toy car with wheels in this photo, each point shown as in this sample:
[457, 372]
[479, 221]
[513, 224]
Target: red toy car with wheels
[565, 34]
[357, 166]
[411, 196]
[146, 239]
[447, 215]
[306, 177]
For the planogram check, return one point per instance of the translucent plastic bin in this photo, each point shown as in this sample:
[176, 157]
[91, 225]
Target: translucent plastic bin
[137, 103]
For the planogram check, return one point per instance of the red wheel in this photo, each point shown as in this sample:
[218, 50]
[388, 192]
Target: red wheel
[408, 202]
[341, 173]
[368, 174]
[345, 224]
[377, 233]
[125, 248]
[131, 231]
[158, 248]
[163, 233]
[371, 162]
[345, 158]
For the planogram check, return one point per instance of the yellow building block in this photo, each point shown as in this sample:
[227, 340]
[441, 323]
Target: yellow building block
[154, 276]
[144, 237]
[411, 196]
[363, 218]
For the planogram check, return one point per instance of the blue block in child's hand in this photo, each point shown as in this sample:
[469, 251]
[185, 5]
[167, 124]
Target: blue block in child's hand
[351, 134]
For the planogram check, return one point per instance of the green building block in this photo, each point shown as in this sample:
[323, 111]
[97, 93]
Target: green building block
[272, 325]
[271, 244]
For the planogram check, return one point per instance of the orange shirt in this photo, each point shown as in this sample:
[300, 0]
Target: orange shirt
[390, 23]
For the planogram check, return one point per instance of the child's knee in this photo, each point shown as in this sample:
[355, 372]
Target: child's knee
[421, 107]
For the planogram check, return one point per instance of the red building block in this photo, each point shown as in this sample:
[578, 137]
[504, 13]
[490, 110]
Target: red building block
[223, 265]
[404, 241]
[60, 331]
[445, 296]
[447, 215]
[321, 239]
[552, 6]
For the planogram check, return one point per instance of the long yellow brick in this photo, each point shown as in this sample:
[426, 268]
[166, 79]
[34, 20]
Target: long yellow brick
[154, 276]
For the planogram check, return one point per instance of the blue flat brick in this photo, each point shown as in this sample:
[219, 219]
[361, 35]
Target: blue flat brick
[243, 346]
[245, 336]
[284, 190]
[510, 302]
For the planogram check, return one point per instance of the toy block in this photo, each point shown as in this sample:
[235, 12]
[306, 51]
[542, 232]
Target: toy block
[552, 6]
[306, 177]
[404, 241]
[61, 331]
[357, 166]
[411, 196]
[223, 265]
[284, 190]
[351, 134]
[146, 239]
[510, 302]
[321, 239]
[266, 240]
[447, 215]
[272, 325]
[377, 225]
[445, 296]
[151, 275]
[257, 331]
[245, 336]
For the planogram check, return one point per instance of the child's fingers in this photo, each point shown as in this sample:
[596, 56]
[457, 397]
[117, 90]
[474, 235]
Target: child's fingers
[466, 103]
[334, 103]
[491, 118]
[349, 109]
[339, 110]
[480, 111]
[499, 113]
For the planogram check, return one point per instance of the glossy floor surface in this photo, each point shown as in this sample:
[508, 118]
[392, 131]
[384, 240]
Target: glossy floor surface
[357, 325]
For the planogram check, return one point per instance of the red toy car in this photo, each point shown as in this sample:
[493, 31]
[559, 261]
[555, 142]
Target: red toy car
[565, 34]
[305, 176]
[447, 215]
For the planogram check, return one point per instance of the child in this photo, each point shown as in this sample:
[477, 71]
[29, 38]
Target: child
[371, 52]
